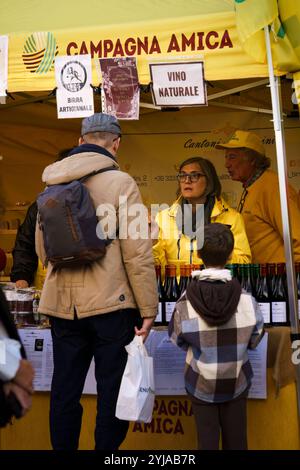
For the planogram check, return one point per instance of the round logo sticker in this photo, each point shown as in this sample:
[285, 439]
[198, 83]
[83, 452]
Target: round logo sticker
[73, 76]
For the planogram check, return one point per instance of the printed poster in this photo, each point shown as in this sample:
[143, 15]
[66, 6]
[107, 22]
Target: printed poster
[120, 87]
[74, 94]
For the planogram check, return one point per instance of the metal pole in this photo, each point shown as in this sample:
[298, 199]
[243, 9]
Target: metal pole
[283, 190]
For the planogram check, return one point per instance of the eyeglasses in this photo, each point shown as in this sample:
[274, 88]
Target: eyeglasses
[193, 177]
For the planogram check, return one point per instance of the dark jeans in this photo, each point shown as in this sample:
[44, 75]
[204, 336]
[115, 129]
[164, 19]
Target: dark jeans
[230, 417]
[75, 343]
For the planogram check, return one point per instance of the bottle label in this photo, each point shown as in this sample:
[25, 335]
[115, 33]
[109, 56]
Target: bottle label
[169, 310]
[265, 308]
[279, 312]
[35, 305]
[158, 318]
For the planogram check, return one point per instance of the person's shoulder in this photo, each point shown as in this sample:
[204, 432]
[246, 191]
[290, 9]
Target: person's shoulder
[123, 179]
[266, 187]
[270, 174]
[268, 180]
[123, 175]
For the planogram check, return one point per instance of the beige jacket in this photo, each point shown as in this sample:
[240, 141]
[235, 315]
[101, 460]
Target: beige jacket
[125, 276]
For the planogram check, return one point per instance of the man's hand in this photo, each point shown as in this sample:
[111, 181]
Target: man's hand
[146, 327]
[21, 284]
[24, 376]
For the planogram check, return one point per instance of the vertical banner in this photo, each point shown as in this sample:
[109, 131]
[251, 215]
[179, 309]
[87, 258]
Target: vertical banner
[120, 87]
[74, 95]
[3, 67]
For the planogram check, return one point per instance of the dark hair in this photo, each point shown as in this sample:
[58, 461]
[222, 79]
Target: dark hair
[213, 185]
[218, 244]
[262, 162]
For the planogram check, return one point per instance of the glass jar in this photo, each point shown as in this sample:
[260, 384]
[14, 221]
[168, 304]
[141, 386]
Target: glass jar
[24, 314]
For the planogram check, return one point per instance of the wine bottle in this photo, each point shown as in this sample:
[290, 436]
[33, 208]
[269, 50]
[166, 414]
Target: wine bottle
[183, 279]
[171, 291]
[189, 269]
[262, 295]
[160, 317]
[271, 276]
[233, 269]
[254, 276]
[279, 303]
[245, 278]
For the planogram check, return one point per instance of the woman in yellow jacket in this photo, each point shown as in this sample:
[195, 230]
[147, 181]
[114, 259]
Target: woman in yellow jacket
[177, 242]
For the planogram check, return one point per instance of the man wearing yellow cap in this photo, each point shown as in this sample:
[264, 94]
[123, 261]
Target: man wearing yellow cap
[246, 162]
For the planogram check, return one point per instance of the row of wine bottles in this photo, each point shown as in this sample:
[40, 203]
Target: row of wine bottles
[265, 282]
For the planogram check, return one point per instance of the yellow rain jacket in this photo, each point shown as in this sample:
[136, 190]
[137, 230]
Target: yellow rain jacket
[263, 222]
[175, 249]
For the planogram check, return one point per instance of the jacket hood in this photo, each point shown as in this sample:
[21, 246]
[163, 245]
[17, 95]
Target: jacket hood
[78, 165]
[214, 295]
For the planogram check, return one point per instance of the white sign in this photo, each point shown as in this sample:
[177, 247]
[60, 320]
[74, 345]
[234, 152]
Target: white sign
[74, 95]
[38, 346]
[258, 360]
[178, 84]
[3, 65]
[168, 361]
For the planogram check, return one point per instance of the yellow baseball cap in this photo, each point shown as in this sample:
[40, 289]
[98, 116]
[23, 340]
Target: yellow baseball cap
[243, 139]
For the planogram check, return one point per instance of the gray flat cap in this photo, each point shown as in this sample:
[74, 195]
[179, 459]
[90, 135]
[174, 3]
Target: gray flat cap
[100, 122]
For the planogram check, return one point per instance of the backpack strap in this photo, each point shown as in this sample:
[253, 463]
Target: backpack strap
[103, 170]
[95, 172]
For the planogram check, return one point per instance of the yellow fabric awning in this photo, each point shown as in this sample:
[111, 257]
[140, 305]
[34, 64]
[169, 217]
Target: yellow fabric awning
[174, 30]
[283, 19]
[226, 34]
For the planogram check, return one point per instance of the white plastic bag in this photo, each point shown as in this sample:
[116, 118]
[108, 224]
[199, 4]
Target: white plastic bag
[137, 392]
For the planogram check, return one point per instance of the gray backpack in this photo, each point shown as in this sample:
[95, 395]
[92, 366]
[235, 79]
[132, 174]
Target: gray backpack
[68, 220]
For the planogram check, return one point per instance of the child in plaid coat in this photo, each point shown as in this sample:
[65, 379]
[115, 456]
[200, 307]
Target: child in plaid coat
[216, 322]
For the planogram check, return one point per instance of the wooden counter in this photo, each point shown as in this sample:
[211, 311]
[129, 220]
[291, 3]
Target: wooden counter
[272, 423]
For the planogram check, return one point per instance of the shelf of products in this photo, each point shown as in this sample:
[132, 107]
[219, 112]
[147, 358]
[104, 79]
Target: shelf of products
[266, 282]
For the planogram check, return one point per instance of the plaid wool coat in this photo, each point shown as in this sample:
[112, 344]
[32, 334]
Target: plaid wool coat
[217, 366]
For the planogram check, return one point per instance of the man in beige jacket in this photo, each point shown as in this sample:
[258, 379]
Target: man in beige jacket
[96, 309]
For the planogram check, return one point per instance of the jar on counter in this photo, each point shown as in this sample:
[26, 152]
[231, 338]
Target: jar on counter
[24, 315]
[11, 297]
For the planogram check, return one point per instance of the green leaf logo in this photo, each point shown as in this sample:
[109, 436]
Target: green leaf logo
[39, 52]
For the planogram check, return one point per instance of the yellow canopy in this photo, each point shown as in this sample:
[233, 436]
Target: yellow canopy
[283, 18]
[151, 31]
[226, 34]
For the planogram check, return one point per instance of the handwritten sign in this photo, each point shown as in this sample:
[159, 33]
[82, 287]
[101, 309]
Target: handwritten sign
[178, 84]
